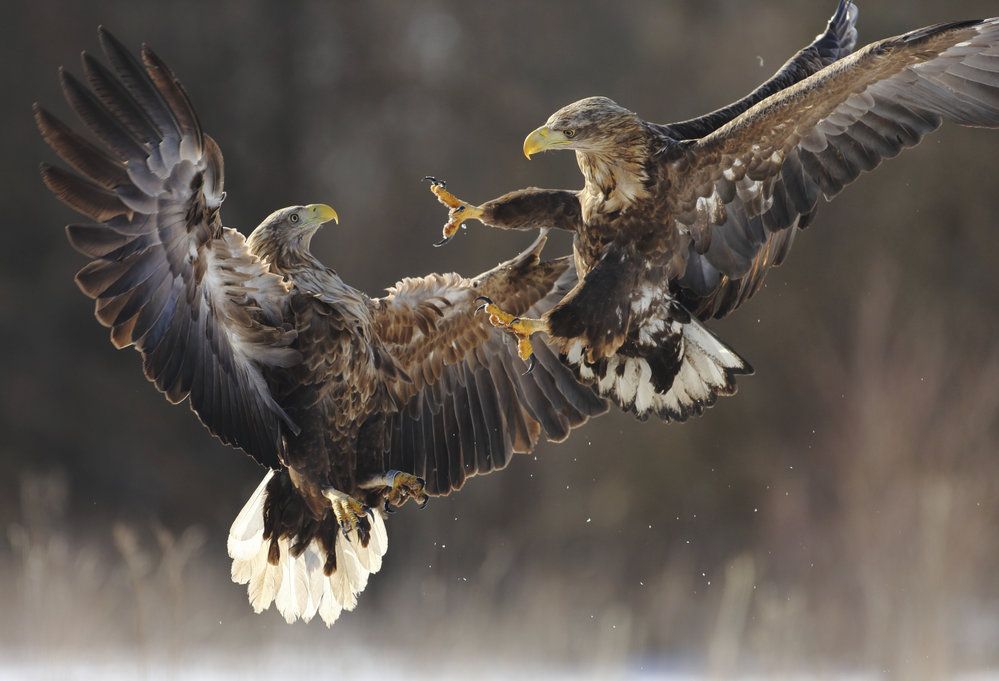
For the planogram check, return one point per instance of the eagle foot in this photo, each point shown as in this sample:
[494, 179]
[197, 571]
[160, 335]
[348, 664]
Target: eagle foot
[349, 512]
[522, 328]
[404, 486]
[458, 211]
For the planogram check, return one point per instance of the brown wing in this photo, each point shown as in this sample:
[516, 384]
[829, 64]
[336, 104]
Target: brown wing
[743, 191]
[837, 41]
[469, 405]
[167, 277]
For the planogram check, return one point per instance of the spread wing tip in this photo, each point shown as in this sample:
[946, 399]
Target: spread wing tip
[840, 37]
[143, 116]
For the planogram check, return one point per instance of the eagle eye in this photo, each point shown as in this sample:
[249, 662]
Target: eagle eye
[293, 218]
[569, 133]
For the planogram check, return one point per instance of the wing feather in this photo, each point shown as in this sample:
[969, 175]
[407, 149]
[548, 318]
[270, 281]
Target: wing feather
[836, 42]
[811, 140]
[166, 276]
[475, 406]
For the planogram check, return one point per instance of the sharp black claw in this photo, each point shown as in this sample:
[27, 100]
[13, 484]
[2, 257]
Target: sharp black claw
[433, 180]
[423, 504]
[444, 241]
[370, 512]
[532, 362]
[486, 302]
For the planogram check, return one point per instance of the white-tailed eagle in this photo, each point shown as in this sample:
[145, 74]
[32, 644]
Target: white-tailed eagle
[354, 404]
[680, 223]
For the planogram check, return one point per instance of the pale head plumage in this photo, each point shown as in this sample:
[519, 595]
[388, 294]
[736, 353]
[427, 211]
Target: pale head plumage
[590, 124]
[611, 145]
[289, 231]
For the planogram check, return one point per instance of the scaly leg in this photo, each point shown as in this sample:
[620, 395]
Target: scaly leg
[399, 487]
[349, 512]
[521, 328]
[403, 486]
[458, 210]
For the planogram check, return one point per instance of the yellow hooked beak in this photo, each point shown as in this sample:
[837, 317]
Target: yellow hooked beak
[543, 139]
[323, 213]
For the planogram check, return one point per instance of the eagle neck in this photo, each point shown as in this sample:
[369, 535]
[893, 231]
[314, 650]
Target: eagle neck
[617, 179]
[282, 251]
[307, 274]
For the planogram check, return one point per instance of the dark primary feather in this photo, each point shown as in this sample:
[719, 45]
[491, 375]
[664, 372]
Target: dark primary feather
[836, 42]
[167, 277]
[744, 190]
[468, 405]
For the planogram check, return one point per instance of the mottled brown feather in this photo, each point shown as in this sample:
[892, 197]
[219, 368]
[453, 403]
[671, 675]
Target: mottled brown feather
[812, 139]
[468, 379]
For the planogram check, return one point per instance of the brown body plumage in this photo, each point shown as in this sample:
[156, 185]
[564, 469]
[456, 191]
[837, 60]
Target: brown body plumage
[679, 223]
[353, 400]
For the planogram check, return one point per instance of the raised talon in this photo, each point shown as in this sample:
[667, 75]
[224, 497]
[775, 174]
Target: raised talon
[402, 486]
[521, 328]
[497, 317]
[458, 210]
[486, 302]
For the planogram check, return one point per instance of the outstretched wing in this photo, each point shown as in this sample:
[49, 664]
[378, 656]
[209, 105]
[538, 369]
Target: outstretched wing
[167, 277]
[743, 191]
[469, 404]
[836, 42]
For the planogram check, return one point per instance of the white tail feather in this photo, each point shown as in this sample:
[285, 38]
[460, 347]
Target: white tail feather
[297, 585]
[246, 533]
[707, 370]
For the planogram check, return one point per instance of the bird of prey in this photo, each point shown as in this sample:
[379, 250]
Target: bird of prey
[353, 404]
[678, 223]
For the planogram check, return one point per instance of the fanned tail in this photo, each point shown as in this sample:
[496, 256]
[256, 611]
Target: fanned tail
[675, 369]
[316, 570]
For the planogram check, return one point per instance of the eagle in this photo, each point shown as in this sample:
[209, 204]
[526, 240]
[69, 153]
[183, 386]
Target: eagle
[353, 404]
[680, 223]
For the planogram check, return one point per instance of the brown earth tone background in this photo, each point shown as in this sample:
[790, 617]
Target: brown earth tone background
[840, 513]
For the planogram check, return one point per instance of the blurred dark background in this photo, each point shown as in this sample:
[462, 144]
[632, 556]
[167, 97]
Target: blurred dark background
[839, 513]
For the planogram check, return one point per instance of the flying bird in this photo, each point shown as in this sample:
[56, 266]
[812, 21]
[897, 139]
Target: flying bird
[679, 223]
[353, 404]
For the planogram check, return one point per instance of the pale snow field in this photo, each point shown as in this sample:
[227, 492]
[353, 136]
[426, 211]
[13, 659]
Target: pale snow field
[278, 663]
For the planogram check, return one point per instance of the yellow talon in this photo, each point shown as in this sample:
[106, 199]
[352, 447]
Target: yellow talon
[497, 317]
[458, 211]
[523, 329]
[520, 327]
[347, 510]
[403, 486]
[525, 349]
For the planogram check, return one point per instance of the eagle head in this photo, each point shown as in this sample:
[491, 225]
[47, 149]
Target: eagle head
[594, 125]
[290, 229]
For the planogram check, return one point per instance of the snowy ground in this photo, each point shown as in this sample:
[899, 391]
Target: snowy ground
[279, 663]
